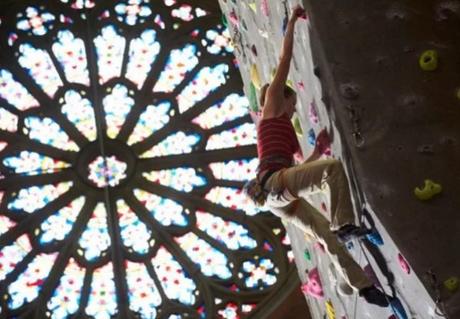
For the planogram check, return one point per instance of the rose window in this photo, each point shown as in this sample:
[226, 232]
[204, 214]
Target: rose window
[125, 140]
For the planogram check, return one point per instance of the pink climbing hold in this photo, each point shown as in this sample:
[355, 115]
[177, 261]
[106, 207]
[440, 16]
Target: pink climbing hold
[323, 207]
[323, 143]
[264, 7]
[313, 286]
[233, 18]
[300, 86]
[319, 246]
[404, 264]
[313, 113]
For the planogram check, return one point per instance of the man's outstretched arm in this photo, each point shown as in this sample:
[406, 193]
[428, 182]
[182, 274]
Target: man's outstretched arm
[276, 88]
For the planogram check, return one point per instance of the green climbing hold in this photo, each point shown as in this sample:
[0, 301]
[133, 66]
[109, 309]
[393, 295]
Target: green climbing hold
[451, 284]
[306, 254]
[297, 127]
[429, 60]
[224, 21]
[253, 98]
[429, 190]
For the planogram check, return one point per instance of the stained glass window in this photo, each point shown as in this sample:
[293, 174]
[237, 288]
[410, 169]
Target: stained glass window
[123, 152]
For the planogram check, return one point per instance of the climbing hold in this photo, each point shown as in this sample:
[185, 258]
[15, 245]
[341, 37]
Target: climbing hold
[323, 143]
[311, 137]
[233, 18]
[307, 255]
[224, 20]
[297, 126]
[330, 310]
[324, 207]
[319, 246]
[349, 91]
[313, 113]
[335, 279]
[426, 149]
[302, 15]
[375, 238]
[316, 71]
[290, 84]
[255, 78]
[300, 86]
[447, 140]
[245, 27]
[264, 7]
[253, 98]
[404, 264]
[263, 33]
[458, 93]
[313, 286]
[428, 60]
[350, 245]
[398, 308]
[429, 190]
[451, 284]
[253, 7]
[285, 23]
[254, 50]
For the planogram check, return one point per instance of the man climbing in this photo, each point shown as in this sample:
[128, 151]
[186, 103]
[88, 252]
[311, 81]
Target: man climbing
[282, 187]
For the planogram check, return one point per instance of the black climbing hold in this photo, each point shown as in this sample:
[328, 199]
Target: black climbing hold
[447, 140]
[349, 91]
[254, 50]
[316, 71]
[285, 22]
[426, 149]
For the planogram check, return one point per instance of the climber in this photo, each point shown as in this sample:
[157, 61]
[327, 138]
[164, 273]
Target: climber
[281, 186]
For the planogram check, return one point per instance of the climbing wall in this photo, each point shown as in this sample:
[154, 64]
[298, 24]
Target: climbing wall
[384, 78]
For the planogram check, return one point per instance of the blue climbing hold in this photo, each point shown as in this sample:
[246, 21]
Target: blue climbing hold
[398, 308]
[375, 238]
[311, 137]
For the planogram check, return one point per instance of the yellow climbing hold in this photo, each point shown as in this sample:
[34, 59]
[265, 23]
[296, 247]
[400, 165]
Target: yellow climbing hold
[330, 310]
[253, 6]
[451, 284]
[255, 78]
[297, 127]
[458, 93]
[429, 190]
[428, 60]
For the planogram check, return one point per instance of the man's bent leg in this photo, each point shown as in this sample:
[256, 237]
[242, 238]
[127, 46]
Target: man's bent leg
[308, 178]
[314, 222]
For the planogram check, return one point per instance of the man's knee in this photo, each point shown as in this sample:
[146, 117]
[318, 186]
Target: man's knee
[335, 166]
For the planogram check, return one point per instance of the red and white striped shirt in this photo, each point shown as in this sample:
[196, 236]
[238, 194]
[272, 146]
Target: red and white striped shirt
[276, 143]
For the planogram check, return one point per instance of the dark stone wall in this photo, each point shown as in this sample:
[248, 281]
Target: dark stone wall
[407, 119]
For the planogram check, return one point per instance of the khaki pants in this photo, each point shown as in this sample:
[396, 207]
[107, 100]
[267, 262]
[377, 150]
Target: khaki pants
[288, 189]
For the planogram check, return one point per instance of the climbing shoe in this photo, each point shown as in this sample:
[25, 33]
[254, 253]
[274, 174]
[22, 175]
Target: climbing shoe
[374, 296]
[349, 231]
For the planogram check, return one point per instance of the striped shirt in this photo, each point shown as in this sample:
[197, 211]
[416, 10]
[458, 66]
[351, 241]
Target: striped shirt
[276, 143]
